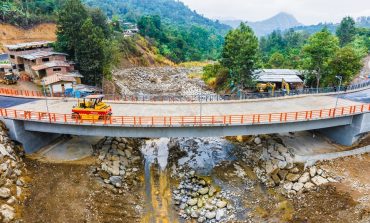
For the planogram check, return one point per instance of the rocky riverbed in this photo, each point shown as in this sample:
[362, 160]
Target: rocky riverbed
[12, 180]
[159, 81]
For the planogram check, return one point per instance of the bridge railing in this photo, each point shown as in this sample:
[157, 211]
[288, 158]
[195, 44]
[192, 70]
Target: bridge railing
[197, 97]
[188, 121]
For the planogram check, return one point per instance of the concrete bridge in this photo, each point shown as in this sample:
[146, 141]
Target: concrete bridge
[36, 122]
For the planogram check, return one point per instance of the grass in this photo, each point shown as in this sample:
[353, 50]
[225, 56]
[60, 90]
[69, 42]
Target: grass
[191, 64]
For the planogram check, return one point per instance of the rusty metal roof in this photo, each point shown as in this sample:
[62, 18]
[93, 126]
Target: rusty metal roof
[41, 54]
[55, 63]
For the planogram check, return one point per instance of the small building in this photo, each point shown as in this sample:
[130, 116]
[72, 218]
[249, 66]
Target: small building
[57, 83]
[36, 60]
[276, 76]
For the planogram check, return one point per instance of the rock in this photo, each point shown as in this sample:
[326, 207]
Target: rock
[4, 193]
[211, 215]
[319, 180]
[192, 202]
[304, 178]
[201, 219]
[221, 204]
[319, 171]
[277, 155]
[270, 167]
[257, 140]
[211, 191]
[288, 186]
[203, 190]
[128, 154]
[182, 206]
[275, 178]
[313, 171]
[332, 180]
[292, 177]
[282, 149]
[282, 164]
[294, 170]
[282, 174]
[290, 162]
[11, 201]
[309, 185]
[7, 212]
[220, 214]
[194, 214]
[298, 186]
[115, 168]
[209, 206]
[115, 180]
[200, 203]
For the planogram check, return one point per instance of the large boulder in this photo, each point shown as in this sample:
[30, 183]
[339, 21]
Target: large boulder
[304, 178]
[4, 193]
[7, 212]
[319, 180]
[292, 177]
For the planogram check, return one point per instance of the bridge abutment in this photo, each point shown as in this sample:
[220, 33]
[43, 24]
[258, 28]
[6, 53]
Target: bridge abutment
[349, 134]
[31, 141]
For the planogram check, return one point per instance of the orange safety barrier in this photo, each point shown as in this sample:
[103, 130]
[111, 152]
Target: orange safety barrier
[182, 121]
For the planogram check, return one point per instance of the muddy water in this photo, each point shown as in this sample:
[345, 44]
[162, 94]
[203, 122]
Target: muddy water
[158, 208]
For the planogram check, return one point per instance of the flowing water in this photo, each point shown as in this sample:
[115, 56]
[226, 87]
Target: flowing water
[157, 182]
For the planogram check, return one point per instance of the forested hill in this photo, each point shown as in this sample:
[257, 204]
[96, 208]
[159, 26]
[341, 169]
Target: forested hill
[170, 11]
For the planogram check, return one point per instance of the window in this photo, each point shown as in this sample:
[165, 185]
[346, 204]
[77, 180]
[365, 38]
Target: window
[45, 59]
[21, 67]
[57, 69]
[12, 56]
[2, 70]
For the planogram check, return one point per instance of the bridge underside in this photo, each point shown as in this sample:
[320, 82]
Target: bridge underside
[34, 135]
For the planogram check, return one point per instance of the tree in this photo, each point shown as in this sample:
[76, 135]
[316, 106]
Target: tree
[277, 60]
[346, 31]
[345, 63]
[91, 53]
[317, 53]
[240, 56]
[70, 19]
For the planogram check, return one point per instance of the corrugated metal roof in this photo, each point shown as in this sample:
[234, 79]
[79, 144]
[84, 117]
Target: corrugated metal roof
[40, 54]
[27, 45]
[55, 63]
[279, 78]
[277, 75]
[57, 78]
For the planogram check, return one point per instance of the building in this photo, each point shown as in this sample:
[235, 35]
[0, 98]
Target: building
[36, 60]
[58, 83]
[276, 76]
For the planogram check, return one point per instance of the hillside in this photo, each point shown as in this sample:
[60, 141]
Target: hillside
[11, 34]
[171, 11]
[281, 21]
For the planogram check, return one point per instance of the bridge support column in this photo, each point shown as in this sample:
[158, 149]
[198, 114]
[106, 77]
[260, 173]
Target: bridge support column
[31, 141]
[349, 134]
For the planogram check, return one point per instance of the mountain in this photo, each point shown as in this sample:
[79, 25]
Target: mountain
[170, 11]
[281, 21]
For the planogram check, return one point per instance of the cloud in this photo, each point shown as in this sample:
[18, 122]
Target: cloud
[306, 11]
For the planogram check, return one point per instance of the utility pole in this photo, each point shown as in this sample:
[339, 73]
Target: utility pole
[340, 78]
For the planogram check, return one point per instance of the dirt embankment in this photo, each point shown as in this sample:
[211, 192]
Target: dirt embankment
[10, 34]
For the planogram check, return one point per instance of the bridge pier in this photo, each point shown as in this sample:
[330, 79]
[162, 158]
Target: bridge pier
[349, 134]
[31, 141]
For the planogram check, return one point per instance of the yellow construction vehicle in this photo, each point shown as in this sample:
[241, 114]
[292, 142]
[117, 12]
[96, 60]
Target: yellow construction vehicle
[91, 107]
[285, 86]
[8, 79]
[265, 87]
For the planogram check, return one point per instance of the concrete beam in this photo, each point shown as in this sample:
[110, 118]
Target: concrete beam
[206, 131]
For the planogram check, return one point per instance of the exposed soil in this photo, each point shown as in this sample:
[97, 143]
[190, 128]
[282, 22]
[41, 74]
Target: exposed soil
[69, 193]
[10, 34]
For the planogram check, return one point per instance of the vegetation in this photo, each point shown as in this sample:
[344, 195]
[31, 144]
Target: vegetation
[85, 35]
[28, 13]
[346, 31]
[179, 33]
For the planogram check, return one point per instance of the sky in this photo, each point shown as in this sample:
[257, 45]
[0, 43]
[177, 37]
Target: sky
[306, 11]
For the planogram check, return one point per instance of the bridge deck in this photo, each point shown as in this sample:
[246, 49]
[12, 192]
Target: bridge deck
[307, 103]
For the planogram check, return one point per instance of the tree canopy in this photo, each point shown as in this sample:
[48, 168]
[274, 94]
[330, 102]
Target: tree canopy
[240, 56]
[346, 31]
